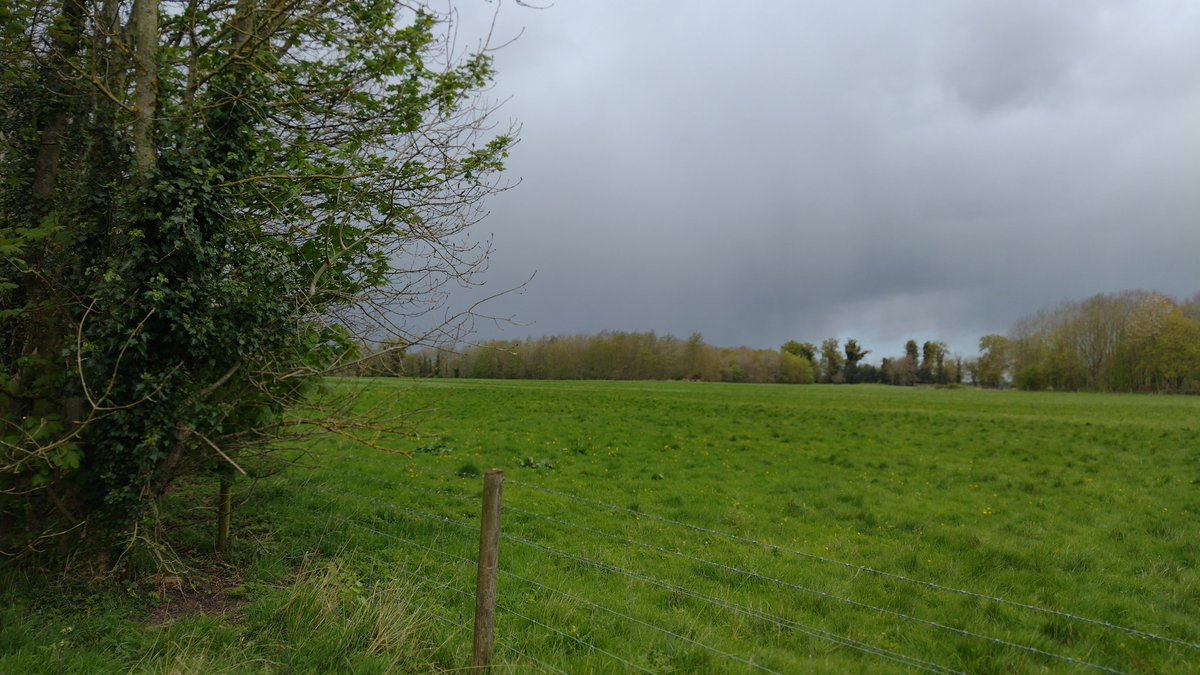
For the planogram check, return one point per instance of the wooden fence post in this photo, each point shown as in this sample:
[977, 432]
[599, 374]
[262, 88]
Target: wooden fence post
[485, 581]
[224, 514]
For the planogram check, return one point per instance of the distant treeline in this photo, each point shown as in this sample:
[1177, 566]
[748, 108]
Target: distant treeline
[1130, 341]
[646, 356]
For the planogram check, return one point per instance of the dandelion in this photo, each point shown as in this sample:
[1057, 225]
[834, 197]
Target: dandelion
[987, 511]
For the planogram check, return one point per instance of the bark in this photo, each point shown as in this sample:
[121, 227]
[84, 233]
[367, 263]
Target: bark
[63, 47]
[243, 26]
[145, 94]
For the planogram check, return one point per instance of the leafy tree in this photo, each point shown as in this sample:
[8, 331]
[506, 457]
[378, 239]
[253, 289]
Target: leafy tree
[1174, 359]
[794, 369]
[901, 371]
[932, 368]
[1156, 352]
[699, 359]
[1191, 307]
[912, 362]
[1105, 342]
[832, 363]
[805, 350]
[866, 373]
[992, 365]
[207, 206]
[854, 354]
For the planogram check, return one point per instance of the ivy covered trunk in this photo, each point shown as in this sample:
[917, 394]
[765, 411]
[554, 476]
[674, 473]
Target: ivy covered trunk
[207, 206]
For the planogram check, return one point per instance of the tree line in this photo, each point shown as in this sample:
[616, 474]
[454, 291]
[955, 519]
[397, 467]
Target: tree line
[615, 355]
[1130, 341]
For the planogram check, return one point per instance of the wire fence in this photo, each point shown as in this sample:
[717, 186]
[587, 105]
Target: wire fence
[544, 552]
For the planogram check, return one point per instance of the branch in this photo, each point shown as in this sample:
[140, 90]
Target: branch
[294, 177]
[219, 451]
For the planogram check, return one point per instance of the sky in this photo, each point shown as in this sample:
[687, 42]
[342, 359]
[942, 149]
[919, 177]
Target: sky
[767, 171]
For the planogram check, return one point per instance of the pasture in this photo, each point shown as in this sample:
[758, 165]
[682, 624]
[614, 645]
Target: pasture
[687, 527]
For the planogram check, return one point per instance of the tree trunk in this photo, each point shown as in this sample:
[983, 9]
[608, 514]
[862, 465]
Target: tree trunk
[145, 96]
[224, 514]
[46, 318]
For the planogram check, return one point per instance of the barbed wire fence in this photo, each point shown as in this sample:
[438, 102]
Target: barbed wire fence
[537, 617]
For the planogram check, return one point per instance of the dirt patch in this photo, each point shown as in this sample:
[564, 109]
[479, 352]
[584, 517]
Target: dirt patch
[214, 593]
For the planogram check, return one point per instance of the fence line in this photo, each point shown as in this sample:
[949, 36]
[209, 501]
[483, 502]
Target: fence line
[585, 601]
[562, 593]
[811, 631]
[576, 639]
[858, 568]
[800, 627]
[830, 596]
[781, 622]
[545, 666]
[448, 554]
[868, 570]
[457, 627]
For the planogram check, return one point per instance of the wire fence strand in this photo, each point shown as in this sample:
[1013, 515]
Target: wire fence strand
[812, 591]
[544, 666]
[848, 601]
[1100, 623]
[800, 627]
[864, 569]
[498, 606]
[647, 624]
[781, 622]
[962, 632]
[594, 605]
[457, 627]
[579, 640]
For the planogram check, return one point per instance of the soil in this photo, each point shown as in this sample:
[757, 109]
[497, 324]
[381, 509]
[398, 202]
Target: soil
[213, 592]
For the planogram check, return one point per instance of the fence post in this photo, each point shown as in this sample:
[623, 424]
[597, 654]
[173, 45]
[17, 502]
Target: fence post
[485, 581]
[224, 513]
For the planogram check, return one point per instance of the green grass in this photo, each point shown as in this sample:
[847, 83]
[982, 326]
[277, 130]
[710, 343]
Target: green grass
[1077, 503]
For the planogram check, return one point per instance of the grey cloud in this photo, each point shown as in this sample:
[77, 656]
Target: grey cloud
[804, 170]
[1017, 53]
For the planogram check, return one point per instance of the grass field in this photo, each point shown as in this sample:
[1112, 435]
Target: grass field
[676, 527]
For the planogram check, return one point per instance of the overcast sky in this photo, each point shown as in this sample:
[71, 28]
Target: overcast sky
[766, 171]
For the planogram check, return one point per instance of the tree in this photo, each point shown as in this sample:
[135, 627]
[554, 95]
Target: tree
[1174, 359]
[902, 371]
[911, 355]
[1104, 342]
[933, 363]
[805, 350]
[1152, 349]
[831, 362]
[854, 354]
[992, 365]
[794, 369]
[206, 207]
[1191, 307]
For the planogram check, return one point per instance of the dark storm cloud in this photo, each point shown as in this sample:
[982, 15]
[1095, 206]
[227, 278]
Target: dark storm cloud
[770, 171]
